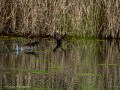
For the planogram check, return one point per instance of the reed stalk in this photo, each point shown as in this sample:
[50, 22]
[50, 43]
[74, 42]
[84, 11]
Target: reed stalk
[83, 18]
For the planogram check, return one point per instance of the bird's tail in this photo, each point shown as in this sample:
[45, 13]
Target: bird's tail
[63, 36]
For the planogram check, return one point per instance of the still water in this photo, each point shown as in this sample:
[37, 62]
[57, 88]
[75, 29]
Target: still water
[79, 64]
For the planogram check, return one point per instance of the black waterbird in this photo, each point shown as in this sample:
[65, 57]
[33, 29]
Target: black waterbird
[59, 38]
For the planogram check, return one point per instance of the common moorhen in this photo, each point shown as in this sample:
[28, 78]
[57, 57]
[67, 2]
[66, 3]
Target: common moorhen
[58, 38]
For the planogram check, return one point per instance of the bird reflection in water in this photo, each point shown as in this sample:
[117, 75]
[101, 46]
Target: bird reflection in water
[57, 48]
[31, 46]
[31, 53]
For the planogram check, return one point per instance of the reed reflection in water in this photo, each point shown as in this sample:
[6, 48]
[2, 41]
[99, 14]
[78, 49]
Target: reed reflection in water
[82, 64]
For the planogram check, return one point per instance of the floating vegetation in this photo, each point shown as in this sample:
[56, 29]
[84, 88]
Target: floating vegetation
[1, 88]
[6, 72]
[35, 71]
[36, 55]
[31, 71]
[3, 36]
[56, 67]
[85, 74]
[15, 38]
[73, 39]
[108, 64]
[82, 40]
[29, 87]
[64, 47]
[100, 40]
[45, 38]
[19, 53]
[41, 72]
[3, 39]
[20, 87]
[116, 53]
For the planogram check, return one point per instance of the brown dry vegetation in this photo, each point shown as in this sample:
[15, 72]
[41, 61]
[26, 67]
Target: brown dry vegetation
[109, 19]
[85, 18]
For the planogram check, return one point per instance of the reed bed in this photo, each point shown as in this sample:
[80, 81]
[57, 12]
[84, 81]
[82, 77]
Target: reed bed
[83, 18]
[109, 19]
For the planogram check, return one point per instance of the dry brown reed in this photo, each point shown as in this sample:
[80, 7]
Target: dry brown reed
[109, 19]
[85, 18]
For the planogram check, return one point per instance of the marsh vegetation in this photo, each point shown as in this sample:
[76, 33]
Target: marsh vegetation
[82, 18]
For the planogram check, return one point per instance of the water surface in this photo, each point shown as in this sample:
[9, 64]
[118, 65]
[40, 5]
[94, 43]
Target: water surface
[79, 64]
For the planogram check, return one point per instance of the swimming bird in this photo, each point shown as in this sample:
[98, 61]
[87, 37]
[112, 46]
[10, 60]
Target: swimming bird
[31, 44]
[58, 38]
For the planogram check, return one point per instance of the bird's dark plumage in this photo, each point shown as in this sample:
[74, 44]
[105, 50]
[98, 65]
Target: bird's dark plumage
[59, 41]
[31, 44]
[56, 36]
